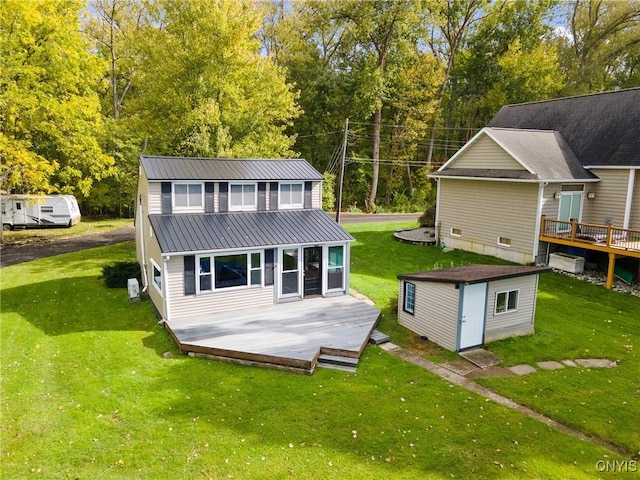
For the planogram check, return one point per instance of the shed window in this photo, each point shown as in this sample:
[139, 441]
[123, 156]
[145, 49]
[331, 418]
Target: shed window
[188, 196]
[243, 196]
[226, 271]
[506, 301]
[291, 195]
[409, 298]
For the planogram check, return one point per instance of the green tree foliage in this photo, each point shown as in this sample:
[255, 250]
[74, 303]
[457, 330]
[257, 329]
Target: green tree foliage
[50, 112]
[203, 88]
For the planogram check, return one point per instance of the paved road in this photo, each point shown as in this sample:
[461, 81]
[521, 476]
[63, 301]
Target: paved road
[13, 254]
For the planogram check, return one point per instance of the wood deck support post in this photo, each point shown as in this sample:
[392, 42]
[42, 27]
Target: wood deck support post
[609, 234]
[611, 270]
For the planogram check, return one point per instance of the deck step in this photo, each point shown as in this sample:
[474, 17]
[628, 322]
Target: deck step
[332, 366]
[378, 337]
[338, 360]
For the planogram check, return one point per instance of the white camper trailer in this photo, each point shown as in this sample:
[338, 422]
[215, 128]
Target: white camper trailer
[37, 211]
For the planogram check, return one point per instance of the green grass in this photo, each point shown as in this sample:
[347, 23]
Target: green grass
[86, 393]
[85, 227]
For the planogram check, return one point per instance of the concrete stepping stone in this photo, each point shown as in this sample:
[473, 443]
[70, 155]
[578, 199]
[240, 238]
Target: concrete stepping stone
[595, 362]
[522, 369]
[569, 363]
[498, 371]
[481, 357]
[461, 367]
[550, 365]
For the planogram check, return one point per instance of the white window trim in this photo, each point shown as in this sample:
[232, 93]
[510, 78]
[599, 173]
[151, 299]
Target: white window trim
[455, 234]
[404, 298]
[243, 208]
[198, 208]
[506, 305]
[155, 265]
[212, 257]
[507, 245]
[284, 206]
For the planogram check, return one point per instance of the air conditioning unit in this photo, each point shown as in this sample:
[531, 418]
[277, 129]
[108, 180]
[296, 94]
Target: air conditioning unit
[134, 289]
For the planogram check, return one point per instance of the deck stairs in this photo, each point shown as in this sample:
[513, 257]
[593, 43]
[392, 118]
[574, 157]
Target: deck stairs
[337, 362]
[377, 338]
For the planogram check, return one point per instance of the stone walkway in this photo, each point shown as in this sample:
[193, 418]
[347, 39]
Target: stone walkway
[465, 380]
[417, 236]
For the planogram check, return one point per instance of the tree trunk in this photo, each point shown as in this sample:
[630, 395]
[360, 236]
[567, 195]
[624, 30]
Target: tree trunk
[377, 120]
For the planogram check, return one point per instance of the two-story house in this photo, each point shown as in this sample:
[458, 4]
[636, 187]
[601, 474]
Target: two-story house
[219, 236]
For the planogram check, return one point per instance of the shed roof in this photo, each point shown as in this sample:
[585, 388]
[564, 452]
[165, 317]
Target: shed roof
[601, 129]
[202, 232]
[468, 274]
[544, 156]
[188, 168]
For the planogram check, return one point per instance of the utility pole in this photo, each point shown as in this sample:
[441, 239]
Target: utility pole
[344, 154]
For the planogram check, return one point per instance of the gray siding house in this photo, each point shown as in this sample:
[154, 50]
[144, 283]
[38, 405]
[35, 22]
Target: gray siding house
[567, 159]
[218, 235]
[465, 307]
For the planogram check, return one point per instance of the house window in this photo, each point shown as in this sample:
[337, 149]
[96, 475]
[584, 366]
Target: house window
[156, 275]
[226, 271]
[291, 195]
[506, 301]
[504, 241]
[188, 196]
[409, 298]
[290, 271]
[335, 269]
[243, 196]
[456, 232]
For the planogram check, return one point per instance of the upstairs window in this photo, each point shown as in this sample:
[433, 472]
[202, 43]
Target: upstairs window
[188, 196]
[243, 196]
[291, 195]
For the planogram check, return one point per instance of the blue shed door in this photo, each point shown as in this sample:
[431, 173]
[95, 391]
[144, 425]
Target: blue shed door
[472, 313]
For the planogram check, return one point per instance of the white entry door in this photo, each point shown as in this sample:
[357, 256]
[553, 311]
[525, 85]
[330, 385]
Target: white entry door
[474, 306]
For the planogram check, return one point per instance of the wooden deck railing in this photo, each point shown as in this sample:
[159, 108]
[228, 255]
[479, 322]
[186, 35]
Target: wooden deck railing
[602, 237]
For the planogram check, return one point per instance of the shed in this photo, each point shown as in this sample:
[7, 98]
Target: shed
[465, 307]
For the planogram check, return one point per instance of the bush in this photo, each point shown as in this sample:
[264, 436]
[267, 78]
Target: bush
[116, 274]
[428, 218]
[393, 304]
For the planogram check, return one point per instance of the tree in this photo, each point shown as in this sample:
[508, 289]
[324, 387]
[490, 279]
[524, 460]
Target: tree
[49, 109]
[214, 95]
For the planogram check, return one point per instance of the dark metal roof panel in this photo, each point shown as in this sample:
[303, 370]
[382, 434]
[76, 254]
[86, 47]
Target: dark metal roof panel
[468, 274]
[186, 168]
[223, 231]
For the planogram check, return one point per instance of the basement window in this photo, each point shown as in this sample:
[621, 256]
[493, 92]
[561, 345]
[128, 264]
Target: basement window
[456, 232]
[504, 241]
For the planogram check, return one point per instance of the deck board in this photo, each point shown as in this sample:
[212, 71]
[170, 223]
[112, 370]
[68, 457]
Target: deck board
[288, 334]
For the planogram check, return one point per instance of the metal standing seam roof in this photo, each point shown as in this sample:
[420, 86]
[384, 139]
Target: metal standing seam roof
[469, 274]
[203, 232]
[187, 168]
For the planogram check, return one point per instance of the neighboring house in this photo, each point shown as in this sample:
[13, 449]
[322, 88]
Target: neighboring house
[538, 166]
[219, 235]
[465, 307]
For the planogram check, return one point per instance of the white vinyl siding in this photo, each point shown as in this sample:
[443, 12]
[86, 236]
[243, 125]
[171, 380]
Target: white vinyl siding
[519, 321]
[435, 313]
[485, 153]
[152, 251]
[155, 198]
[316, 195]
[611, 197]
[485, 210]
[224, 300]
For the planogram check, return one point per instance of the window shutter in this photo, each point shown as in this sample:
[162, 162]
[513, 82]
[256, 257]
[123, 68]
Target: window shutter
[166, 198]
[307, 194]
[224, 197]
[268, 266]
[273, 196]
[208, 197]
[262, 196]
[189, 275]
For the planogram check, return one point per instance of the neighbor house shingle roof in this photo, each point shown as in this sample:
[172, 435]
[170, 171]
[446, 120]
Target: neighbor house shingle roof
[219, 231]
[602, 129]
[469, 274]
[186, 168]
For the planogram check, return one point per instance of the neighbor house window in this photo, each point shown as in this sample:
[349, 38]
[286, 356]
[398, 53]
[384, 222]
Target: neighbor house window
[335, 269]
[409, 298]
[504, 241]
[291, 195]
[225, 271]
[188, 196]
[506, 301]
[456, 232]
[243, 196]
[156, 275]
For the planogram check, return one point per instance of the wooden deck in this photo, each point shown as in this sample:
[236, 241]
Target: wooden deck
[615, 241]
[287, 335]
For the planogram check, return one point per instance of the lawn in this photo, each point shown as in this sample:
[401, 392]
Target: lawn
[85, 227]
[87, 393]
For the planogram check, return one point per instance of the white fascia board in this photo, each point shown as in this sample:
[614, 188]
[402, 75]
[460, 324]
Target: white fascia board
[464, 148]
[612, 167]
[513, 155]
